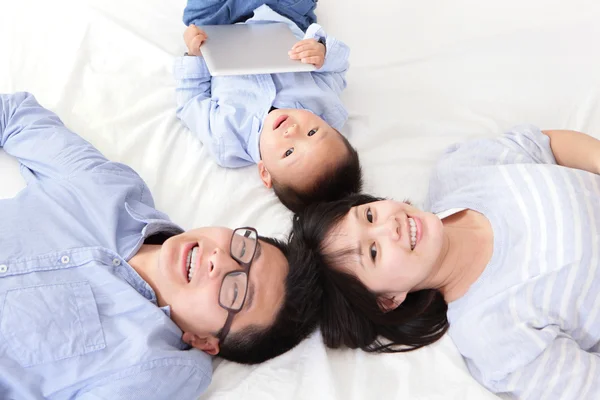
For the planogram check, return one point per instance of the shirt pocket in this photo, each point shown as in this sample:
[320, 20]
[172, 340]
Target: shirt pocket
[42, 324]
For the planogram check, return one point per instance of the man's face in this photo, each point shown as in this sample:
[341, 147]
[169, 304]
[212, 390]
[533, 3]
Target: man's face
[195, 302]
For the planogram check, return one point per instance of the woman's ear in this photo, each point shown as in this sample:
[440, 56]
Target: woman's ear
[208, 344]
[389, 303]
[265, 176]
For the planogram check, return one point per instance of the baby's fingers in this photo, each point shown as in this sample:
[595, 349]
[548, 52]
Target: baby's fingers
[195, 43]
[304, 54]
[314, 60]
[303, 47]
[305, 42]
[190, 32]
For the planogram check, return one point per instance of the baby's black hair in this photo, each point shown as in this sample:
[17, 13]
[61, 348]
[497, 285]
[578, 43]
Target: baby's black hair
[343, 180]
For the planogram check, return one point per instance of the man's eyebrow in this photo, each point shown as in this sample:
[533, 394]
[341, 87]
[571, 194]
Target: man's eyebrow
[251, 288]
[250, 296]
[258, 251]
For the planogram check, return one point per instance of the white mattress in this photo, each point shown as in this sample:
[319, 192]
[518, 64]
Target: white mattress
[424, 75]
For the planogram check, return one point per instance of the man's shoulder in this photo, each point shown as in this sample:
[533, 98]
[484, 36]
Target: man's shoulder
[185, 374]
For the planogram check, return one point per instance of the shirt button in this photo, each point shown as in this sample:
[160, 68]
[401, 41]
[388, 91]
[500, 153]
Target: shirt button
[65, 259]
[116, 262]
[3, 268]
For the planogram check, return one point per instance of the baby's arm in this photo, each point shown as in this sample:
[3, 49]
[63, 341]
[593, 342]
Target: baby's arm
[336, 51]
[575, 150]
[335, 65]
[208, 120]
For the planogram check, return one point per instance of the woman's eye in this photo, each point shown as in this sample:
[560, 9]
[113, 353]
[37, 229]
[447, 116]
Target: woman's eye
[369, 215]
[373, 251]
[289, 152]
[312, 132]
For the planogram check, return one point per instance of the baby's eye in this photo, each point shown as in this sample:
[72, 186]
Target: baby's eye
[373, 251]
[369, 215]
[288, 152]
[312, 132]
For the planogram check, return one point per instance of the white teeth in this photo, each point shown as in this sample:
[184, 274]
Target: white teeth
[191, 261]
[413, 233]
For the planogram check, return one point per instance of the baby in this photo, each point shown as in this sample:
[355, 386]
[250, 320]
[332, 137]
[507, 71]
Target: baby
[288, 124]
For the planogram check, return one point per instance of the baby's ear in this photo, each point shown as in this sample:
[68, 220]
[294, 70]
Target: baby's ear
[265, 176]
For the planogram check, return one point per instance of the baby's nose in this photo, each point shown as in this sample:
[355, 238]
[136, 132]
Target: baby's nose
[290, 131]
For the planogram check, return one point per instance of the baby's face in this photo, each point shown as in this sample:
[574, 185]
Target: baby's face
[297, 147]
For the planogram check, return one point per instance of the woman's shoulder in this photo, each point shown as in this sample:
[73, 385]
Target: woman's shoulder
[520, 144]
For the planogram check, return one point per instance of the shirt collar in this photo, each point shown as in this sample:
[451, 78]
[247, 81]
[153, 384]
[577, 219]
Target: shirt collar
[166, 310]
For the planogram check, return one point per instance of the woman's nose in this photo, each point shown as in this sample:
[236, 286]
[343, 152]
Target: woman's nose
[393, 228]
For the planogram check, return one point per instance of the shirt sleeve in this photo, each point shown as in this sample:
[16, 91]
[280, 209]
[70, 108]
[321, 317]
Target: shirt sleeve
[157, 380]
[210, 120]
[333, 71]
[562, 371]
[529, 144]
[524, 144]
[40, 141]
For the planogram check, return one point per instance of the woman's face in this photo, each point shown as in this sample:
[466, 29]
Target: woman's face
[395, 248]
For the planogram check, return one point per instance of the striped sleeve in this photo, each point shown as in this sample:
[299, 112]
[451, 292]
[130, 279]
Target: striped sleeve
[523, 144]
[528, 145]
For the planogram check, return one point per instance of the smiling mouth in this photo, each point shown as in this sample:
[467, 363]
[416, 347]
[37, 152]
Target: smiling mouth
[280, 120]
[413, 233]
[191, 260]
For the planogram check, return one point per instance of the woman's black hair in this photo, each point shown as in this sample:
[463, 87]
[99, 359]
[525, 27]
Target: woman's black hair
[350, 313]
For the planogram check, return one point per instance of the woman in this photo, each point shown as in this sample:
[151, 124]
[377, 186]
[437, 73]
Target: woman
[505, 259]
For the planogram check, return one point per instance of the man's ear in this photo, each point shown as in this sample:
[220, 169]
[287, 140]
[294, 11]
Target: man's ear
[389, 303]
[208, 344]
[265, 176]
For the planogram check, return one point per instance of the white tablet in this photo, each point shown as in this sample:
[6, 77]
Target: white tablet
[242, 49]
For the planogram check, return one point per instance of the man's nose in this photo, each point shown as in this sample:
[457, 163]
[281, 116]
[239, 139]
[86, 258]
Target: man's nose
[220, 263]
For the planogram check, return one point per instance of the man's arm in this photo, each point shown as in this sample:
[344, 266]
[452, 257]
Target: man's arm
[40, 141]
[575, 150]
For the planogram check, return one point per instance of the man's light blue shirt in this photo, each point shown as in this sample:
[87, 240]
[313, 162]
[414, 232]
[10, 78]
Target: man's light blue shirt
[76, 321]
[227, 112]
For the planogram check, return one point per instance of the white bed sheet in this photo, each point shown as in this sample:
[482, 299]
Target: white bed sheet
[423, 75]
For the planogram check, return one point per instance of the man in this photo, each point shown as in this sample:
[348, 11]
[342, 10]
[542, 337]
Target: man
[101, 296]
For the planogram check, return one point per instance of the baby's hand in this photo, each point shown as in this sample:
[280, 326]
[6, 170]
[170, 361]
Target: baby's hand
[309, 51]
[194, 37]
